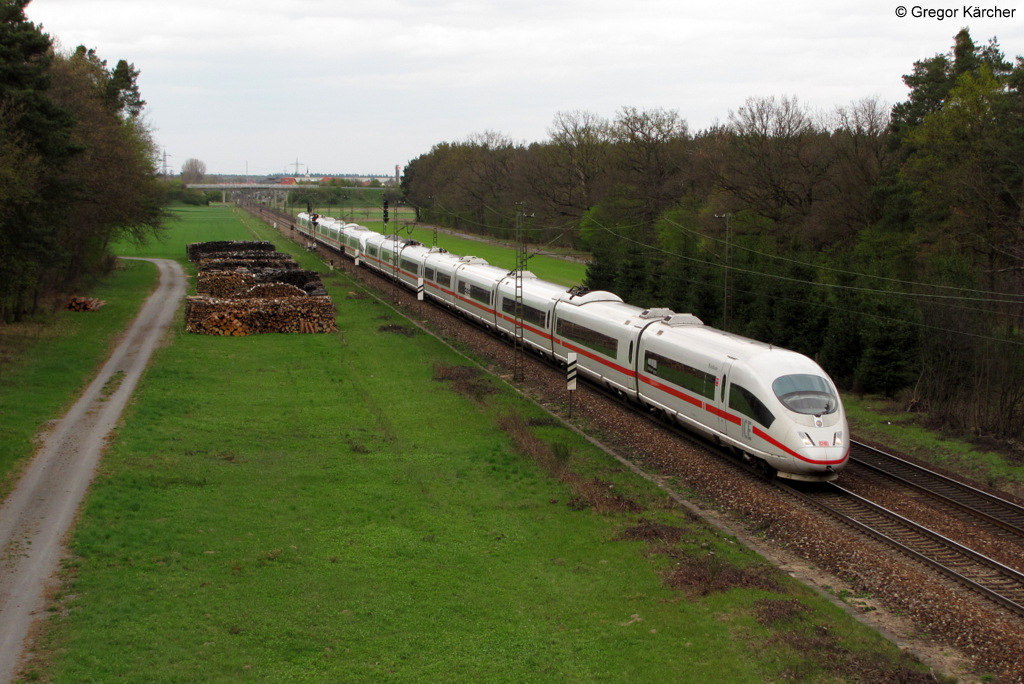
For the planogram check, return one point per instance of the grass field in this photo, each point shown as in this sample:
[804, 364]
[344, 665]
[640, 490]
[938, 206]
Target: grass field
[370, 507]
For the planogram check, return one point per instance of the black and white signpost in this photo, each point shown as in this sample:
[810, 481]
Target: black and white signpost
[570, 377]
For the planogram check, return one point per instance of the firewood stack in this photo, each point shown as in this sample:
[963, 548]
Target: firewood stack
[246, 288]
[84, 303]
[232, 283]
[206, 250]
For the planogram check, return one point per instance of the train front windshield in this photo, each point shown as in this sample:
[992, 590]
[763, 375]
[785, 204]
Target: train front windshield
[808, 394]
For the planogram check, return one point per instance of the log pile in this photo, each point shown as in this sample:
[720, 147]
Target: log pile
[205, 250]
[234, 261]
[233, 283]
[247, 288]
[238, 317]
[84, 303]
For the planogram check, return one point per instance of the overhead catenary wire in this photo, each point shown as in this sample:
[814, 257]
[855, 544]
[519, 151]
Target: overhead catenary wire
[950, 301]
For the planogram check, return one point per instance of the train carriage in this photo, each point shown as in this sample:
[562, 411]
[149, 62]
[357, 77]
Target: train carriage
[538, 303]
[372, 258]
[475, 286]
[768, 403]
[410, 264]
[598, 326]
[390, 249]
[327, 231]
[785, 410]
[353, 237]
[680, 378]
[303, 223]
[439, 268]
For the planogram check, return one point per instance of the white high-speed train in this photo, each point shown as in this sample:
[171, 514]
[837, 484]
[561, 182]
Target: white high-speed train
[776, 407]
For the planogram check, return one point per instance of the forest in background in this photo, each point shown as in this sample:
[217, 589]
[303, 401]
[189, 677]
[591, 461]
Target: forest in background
[885, 242]
[77, 166]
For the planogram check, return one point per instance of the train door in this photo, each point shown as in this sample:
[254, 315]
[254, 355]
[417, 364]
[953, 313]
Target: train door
[721, 404]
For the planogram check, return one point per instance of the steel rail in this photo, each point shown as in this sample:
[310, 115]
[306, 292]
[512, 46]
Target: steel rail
[976, 571]
[992, 509]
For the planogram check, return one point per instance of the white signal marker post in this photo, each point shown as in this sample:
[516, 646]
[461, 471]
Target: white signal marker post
[570, 377]
[419, 289]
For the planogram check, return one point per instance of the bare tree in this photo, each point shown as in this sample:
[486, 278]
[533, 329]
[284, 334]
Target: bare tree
[652, 146]
[582, 140]
[193, 171]
[777, 160]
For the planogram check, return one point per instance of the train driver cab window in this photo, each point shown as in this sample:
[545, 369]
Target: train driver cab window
[744, 401]
[810, 395]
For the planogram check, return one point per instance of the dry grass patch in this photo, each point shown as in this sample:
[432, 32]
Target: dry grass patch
[592, 493]
[465, 380]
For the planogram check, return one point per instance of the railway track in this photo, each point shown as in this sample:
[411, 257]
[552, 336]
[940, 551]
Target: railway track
[986, 507]
[997, 582]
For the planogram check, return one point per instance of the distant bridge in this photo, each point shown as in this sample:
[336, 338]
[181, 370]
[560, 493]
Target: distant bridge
[280, 190]
[251, 186]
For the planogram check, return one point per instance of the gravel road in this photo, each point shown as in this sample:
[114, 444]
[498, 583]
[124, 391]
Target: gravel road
[36, 516]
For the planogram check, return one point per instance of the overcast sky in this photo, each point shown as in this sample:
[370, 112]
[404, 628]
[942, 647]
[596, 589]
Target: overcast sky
[341, 86]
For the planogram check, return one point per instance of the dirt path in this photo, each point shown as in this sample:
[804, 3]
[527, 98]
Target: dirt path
[39, 512]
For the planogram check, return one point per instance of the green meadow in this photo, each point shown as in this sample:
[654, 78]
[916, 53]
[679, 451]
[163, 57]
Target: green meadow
[370, 506]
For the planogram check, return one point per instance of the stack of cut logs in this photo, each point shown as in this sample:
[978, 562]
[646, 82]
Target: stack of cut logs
[84, 304]
[245, 288]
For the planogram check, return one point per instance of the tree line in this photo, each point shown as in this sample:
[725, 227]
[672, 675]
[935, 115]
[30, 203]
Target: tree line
[886, 242]
[77, 165]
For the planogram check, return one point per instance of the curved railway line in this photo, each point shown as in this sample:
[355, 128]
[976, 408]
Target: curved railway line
[985, 517]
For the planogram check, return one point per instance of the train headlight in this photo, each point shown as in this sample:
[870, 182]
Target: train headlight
[806, 439]
[838, 439]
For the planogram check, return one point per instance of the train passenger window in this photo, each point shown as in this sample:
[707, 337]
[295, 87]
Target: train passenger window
[444, 280]
[530, 314]
[807, 394]
[372, 249]
[411, 266]
[680, 374]
[429, 273]
[606, 344]
[744, 401]
[480, 294]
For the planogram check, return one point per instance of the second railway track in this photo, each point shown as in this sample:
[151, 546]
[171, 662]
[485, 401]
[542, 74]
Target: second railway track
[975, 571]
[994, 509]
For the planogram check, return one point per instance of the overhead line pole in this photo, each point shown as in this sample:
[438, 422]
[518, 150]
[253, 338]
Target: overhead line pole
[725, 291]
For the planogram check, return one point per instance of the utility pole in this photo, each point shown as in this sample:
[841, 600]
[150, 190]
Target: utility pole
[725, 278]
[519, 346]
